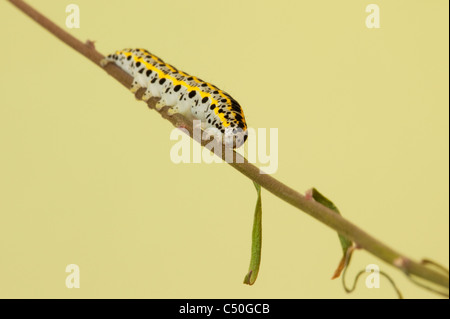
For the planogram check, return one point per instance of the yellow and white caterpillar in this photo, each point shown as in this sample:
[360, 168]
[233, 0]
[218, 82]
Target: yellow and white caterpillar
[221, 115]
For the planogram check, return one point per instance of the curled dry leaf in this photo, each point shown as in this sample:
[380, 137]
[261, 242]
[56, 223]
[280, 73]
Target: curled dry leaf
[346, 244]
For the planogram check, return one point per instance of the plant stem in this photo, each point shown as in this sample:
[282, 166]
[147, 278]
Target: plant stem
[314, 209]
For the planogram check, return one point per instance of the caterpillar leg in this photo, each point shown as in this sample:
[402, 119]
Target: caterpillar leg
[160, 104]
[107, 60]
[213, 131]
[104, 62]
[180, 108]
[173, 110]
[135, 86]
[147, 95]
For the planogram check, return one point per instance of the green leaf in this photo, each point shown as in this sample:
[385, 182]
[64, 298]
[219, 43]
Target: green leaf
[345, 243]
[255, 259]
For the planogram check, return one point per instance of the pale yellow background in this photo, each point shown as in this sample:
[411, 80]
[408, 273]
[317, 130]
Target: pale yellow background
[86, 177]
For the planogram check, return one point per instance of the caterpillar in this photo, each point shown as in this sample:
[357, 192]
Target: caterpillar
[221, 116]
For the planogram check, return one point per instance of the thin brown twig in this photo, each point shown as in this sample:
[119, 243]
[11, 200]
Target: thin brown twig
[314, 209]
